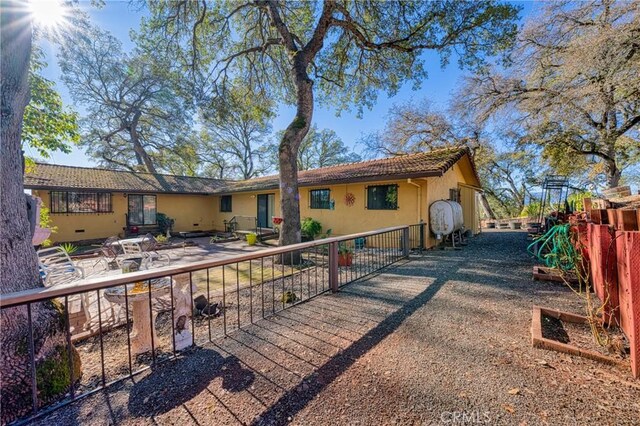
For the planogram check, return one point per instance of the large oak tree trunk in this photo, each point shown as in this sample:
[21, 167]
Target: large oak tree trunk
[18, 258]
[613, 174]
[143, 158]
[288, 158]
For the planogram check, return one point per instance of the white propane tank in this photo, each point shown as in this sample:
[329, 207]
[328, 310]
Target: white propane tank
[445, 217]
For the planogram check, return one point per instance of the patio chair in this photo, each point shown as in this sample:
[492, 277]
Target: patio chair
[57, 267]
[109, 253]
[149, 245]
[148, 255]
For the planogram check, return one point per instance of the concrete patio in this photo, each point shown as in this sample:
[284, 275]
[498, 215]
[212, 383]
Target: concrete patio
[440, 338]
[84, 322]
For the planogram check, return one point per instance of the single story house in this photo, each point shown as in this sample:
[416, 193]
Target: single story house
[92, 203]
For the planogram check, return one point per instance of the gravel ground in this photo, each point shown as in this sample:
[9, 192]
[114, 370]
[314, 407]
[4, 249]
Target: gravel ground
[441, 339]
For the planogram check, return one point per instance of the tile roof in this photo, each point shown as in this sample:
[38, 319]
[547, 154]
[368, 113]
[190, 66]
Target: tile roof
[48, 176]
[423, 164]
[431, 163]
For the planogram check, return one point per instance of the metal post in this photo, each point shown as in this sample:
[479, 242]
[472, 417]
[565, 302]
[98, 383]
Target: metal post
[421, 236]
[407, 245]
[333, 267]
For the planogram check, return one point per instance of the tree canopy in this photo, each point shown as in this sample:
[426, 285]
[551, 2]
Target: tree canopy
[132, 103]
[48, 125]
[573, 84]
[237, 129]
[334, 52]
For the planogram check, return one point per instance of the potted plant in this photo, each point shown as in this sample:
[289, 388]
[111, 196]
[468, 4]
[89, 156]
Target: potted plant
[165, 223]
[277, 221]
[310, 228]
[345, 255]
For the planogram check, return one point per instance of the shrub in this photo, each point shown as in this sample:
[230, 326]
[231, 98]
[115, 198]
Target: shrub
[165, 223]
[311, 227]
[46, 222]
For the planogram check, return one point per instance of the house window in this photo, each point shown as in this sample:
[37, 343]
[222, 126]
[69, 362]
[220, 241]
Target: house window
[142, 210]
[382, 197]
[320, 199]
[225, 203]
[80, 202]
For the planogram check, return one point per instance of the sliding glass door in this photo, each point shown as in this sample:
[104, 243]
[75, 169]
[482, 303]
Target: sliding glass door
[142, 209]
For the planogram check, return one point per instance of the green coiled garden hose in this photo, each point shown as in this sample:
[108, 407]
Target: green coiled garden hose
[555, 248]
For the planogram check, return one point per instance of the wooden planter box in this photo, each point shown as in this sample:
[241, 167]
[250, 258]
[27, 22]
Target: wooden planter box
[628, 263]
[603, 269]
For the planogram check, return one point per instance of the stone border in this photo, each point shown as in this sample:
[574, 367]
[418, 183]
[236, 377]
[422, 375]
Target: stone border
[540, 342]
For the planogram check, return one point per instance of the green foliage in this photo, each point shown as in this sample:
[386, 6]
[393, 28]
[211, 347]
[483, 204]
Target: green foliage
[531, 209]
[52, 373]
[344, 248]
[165, 223]
[69, 248]
[47, 125]
[311, 227]
[46, 222]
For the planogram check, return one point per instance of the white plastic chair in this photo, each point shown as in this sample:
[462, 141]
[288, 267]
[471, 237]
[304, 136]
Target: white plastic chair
[57, 267]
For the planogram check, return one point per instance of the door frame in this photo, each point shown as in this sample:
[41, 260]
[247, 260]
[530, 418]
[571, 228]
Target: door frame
[269, 207]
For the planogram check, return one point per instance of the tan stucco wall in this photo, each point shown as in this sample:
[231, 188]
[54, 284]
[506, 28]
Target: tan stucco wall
[95, 225]
[191, 212]
[242, 204]
[356, 218]
[200, 212]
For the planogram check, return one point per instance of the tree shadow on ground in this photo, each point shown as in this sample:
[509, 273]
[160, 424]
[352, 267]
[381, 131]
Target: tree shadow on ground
[294, 400]
[175, 382]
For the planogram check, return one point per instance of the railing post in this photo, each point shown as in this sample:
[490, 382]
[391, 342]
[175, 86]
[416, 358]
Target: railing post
[421, 235]
[333, 267]
[406, 245]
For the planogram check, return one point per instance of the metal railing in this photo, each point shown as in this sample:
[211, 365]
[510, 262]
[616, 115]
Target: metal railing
[418, 236]
[133, 321]
[242, 223]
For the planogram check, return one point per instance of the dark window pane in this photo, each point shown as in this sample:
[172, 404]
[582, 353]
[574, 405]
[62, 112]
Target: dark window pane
[58, 202]
[136, 216]
[320, 199]
[382, 197]
[225, 203]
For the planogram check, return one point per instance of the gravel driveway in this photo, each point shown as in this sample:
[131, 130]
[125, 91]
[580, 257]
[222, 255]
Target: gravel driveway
[441, 339]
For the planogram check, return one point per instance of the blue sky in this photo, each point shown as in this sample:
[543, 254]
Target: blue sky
[119, 17]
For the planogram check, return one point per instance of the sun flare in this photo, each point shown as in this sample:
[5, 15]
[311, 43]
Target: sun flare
[48, 13]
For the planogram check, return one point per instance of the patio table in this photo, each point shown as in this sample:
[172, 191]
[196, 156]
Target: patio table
[143, 317]
[135, 240]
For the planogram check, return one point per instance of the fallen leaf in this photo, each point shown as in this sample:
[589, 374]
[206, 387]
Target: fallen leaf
[508, 408]
[514, 391]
